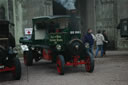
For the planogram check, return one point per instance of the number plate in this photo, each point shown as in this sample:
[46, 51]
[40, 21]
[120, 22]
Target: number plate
[24, 47]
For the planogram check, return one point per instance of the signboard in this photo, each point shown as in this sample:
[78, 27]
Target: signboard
[24, 47]
[28, 31]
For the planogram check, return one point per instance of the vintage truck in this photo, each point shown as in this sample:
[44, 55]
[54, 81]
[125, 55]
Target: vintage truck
[8, 60]
[52, 39]
[123, 26]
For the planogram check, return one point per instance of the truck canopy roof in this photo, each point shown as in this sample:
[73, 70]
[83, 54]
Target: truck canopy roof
[48, 18]
[4, 21]
[51, 17]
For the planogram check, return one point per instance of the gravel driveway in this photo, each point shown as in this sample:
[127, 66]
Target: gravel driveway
[109, 70]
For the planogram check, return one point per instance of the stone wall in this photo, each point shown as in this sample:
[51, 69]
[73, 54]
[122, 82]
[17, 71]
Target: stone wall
[95, 14]
[106, 19]
[104, 15]
[7, 7]
[35, 8]
[86, 8]
[4, 3]
[25, 10]
[10, 16]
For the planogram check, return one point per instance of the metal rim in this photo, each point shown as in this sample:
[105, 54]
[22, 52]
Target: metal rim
[88, 64]
[59, 65]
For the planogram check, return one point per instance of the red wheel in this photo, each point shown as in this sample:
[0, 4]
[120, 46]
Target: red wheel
[89, 64]
[60, 64]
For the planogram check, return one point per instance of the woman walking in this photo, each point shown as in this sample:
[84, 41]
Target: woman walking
[99, 43]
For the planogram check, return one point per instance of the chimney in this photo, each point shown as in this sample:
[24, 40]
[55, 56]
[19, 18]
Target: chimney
[74, 21]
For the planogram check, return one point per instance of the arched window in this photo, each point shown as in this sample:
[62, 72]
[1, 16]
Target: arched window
[2, 12]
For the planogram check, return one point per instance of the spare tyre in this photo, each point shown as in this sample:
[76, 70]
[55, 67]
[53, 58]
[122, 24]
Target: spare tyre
[75, 47]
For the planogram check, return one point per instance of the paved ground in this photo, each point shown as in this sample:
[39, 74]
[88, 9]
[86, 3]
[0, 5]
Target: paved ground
[110, 70]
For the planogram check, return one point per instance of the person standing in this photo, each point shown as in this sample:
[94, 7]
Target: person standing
[99, 43]
[89, 41]
[105, 44]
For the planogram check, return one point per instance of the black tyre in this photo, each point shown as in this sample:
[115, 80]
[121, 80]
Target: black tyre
[89, 64]
[75, 47]
[28, 58]
[17, 71]
[60, 64]
[2, 55]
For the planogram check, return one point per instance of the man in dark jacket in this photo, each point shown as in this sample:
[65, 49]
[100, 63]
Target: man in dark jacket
[89, 41]
[105, 43]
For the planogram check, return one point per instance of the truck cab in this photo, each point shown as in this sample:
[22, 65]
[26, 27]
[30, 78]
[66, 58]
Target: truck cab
[123, 26]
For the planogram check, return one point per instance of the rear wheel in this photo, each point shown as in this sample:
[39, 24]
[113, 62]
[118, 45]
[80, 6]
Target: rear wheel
[60, 64]
[17, 71]
[28, 58]
[89, 64]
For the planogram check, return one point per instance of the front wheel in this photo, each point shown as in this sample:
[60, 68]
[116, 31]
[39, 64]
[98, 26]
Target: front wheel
[17, 72]
[60, 64]
[89, 64]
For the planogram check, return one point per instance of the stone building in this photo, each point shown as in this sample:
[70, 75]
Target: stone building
[25, 10]
[95, 14]
[6, 11]
[21, 12]
[105, 15]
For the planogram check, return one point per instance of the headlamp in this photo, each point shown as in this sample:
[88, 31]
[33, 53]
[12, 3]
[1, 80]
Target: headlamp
[58, 47]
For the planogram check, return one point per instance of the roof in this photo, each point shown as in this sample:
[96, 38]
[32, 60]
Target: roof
[124, 19]
[4, 21]
[51, 17]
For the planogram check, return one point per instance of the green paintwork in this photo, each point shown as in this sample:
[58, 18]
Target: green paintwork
[51, 39]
